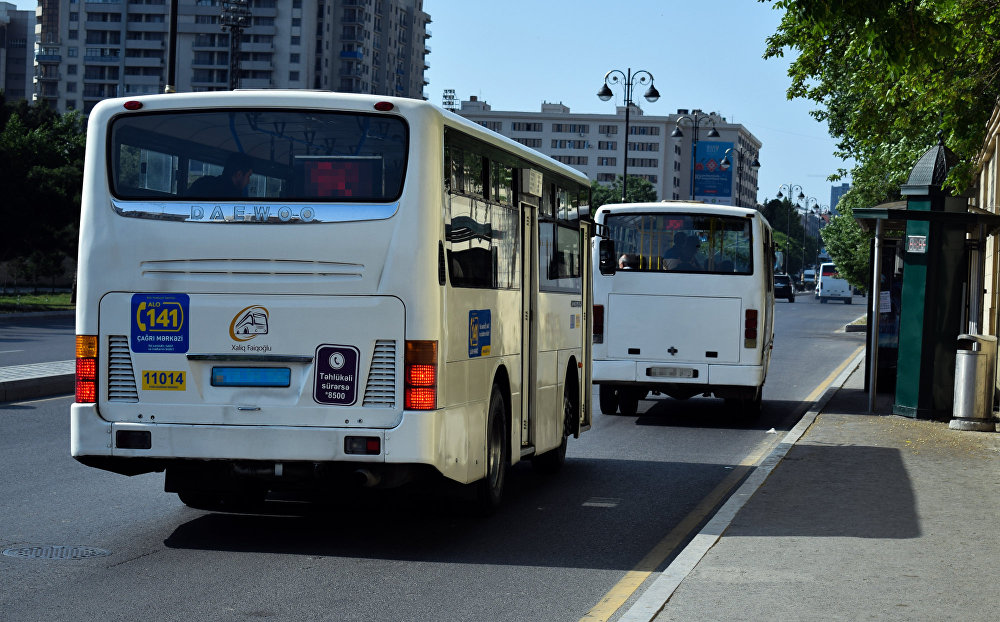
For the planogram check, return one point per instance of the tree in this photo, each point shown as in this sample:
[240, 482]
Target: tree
[639, 190]
[848, 246]
[41, 172]
[889, 75]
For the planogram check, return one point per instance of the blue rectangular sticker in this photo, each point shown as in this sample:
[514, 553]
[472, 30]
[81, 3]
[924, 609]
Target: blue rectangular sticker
[479, 333]
[160, 323]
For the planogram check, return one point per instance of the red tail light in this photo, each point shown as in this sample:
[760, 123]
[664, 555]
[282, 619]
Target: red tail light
[750, 328]
[598, 323]
[86, 369]
[420, 373]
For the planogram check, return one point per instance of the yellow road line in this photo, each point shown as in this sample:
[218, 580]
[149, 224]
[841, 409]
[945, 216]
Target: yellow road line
[617, 595]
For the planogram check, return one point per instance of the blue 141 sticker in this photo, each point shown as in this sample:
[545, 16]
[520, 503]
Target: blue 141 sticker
[480, 328]
[160, 323]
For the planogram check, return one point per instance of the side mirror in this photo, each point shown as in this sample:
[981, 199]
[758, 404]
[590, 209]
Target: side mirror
[606, 254]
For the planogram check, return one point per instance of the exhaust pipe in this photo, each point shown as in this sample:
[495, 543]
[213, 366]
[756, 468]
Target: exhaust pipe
[366, 478]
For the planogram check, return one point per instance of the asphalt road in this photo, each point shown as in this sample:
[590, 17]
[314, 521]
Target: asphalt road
[26, 339]
[558, 547]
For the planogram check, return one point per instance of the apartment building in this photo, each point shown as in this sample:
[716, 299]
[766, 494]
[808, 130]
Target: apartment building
[594, 145]
[89, 50]
[17, 31]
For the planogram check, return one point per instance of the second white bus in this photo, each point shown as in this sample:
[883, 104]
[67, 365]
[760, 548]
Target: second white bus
[683, 304]
[395, 291]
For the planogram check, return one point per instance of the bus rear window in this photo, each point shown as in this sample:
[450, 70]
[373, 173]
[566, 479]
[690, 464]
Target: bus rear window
[265, 155]
[682, 243]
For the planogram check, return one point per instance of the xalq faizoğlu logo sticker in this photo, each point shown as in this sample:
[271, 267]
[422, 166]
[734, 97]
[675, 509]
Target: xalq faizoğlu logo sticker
[249, 323]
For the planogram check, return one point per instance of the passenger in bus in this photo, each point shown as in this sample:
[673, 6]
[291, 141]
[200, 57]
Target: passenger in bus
[232, 183]
[682, 255]
[627, 262]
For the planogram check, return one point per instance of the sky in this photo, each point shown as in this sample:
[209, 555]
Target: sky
[515, 54]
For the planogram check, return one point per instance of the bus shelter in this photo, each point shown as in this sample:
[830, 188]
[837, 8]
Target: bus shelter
[934, 245]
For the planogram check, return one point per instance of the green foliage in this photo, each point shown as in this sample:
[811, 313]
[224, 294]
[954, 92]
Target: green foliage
[889, 75]
[848, 246]
[799, 249]
[41, 173]
[639, 190]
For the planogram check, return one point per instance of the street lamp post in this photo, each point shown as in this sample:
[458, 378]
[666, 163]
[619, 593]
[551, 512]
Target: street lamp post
[806, 213]
[695, 122]
[739, 169]
[235, 16]
[628, 80]
[790, 188]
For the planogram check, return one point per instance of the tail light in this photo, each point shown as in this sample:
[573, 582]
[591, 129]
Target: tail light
[421, 371]
[598, 323]
[750, 328]
[86, 369]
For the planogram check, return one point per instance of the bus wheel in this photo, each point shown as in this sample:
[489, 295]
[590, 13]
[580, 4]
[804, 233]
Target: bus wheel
[628, 400]
[490, 489]
[552, 461]
[609, 398]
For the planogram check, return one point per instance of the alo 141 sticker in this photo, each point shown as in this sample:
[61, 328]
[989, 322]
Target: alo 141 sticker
[336, 379]
[479, 333]
[160, 323]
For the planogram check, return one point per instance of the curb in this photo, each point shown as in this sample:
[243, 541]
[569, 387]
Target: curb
[29, 388]
[655, 598]
[24, 314]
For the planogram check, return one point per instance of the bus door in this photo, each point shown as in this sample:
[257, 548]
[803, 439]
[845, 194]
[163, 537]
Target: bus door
[530, 198]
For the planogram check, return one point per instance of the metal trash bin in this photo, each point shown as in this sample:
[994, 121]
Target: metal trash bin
[975, 368]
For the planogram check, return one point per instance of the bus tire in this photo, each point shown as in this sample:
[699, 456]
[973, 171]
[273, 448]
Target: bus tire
[489, 490]
[628, 401]
[848, 301]
[608, 395]
[552, 461]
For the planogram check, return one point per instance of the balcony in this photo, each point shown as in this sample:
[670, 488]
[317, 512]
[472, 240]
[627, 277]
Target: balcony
[48, 58]
[358, 54]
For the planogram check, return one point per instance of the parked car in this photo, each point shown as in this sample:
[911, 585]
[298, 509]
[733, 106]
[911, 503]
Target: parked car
[783, 287]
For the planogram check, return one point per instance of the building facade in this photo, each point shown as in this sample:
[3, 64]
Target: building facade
[835, 193]
[594, 145]
[17, 32]
[89, 50]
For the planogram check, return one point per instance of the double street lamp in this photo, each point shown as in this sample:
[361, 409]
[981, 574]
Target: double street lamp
[695, 122]
[628, 80]
[739, 169]
[790, 189]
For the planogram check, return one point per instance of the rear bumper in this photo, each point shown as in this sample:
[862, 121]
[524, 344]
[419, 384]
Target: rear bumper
[420, 438]
[636, 372]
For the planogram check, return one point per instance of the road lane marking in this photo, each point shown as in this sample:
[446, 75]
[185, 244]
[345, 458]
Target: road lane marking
[10, 351]
[633, 579]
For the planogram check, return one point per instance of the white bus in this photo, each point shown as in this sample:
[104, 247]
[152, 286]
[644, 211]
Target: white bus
[831, 286]
[395, 291]
[683, 304]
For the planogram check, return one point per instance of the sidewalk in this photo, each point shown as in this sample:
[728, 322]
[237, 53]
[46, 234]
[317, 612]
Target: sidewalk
[866, 517]
[23, 382]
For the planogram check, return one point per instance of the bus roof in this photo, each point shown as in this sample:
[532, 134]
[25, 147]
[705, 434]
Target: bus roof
[287, 98]
[687, 207]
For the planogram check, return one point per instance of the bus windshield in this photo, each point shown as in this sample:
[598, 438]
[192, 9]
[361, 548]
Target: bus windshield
[303, 155]
[682, 243]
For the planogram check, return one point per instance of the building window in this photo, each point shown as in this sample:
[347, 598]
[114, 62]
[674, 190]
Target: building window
[293, 76]
[520, 126]
[607, 145]
[607, 161]
[607, 129]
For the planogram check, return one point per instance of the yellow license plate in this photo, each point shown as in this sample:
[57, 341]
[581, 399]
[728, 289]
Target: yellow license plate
[156, 380]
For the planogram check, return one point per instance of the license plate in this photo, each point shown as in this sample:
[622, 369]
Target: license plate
[672, 372]
[160, 380]
[251, 376]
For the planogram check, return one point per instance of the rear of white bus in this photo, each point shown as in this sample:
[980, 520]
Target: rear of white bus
[272, 338]
[682, 328]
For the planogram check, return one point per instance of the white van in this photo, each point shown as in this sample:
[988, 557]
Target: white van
[683, 303]
[831, 286]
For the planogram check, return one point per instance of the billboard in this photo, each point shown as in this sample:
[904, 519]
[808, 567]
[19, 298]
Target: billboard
[712, 183]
